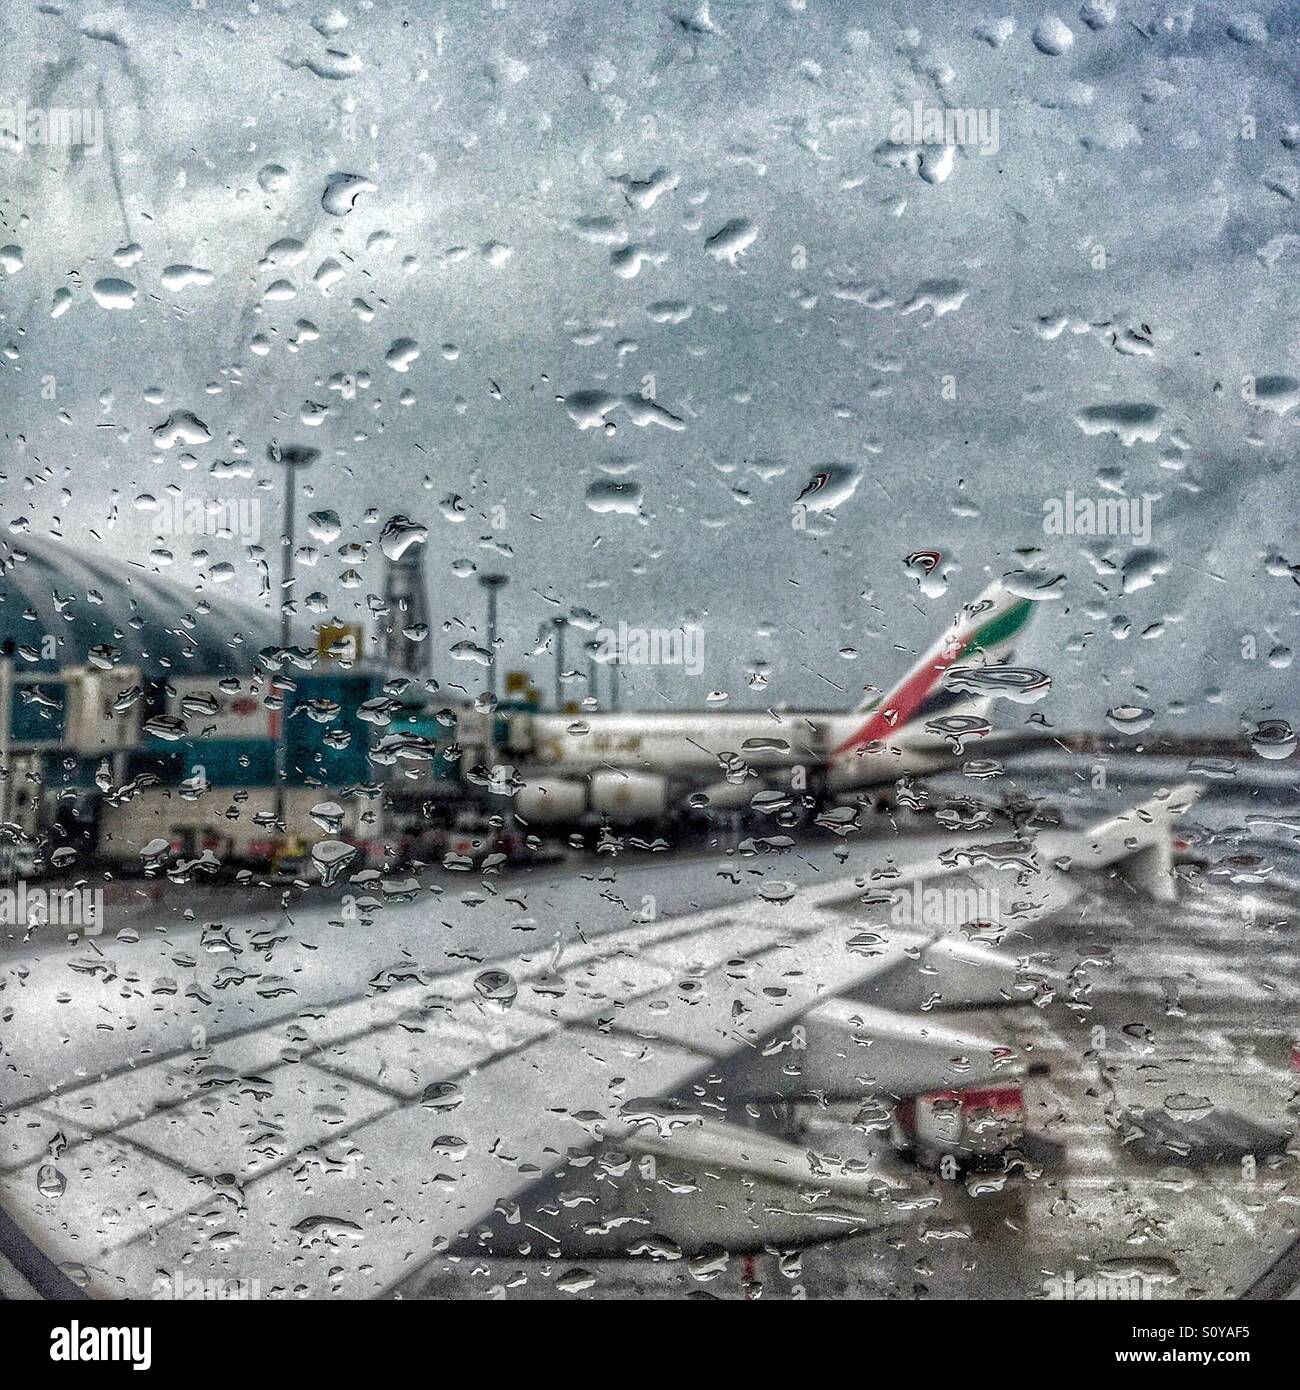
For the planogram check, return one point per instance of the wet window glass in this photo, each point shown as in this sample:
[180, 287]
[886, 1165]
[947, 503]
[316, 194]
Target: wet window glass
[647, 650]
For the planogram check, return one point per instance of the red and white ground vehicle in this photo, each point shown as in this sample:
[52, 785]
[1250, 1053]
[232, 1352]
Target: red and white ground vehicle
[975, 1126]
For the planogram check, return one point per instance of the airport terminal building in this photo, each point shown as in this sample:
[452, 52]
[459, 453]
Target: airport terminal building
[145, 720]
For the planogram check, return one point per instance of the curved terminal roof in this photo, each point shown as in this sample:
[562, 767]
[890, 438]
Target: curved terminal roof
[113, 612]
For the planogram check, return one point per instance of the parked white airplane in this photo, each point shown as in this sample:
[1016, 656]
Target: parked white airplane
[641, 767]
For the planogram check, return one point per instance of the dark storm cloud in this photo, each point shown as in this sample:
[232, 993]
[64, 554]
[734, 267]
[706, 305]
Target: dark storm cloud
[513, 152]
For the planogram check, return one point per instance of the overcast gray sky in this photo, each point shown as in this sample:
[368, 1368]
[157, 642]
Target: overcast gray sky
[689, 230]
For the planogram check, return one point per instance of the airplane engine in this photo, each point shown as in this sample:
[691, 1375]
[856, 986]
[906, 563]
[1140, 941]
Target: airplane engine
[551, 801]
[629, 798]
[732, 796]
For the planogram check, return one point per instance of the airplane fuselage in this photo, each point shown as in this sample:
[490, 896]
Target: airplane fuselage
[700, 746]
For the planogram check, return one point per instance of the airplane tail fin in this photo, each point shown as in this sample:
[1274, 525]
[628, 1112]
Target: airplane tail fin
[984, 633]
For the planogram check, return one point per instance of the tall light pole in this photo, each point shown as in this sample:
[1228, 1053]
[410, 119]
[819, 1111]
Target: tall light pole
[493, 583]
[560, 624]
[291, 457]
[593, 676]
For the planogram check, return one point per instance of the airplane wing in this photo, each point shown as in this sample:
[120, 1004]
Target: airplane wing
[616, 1098]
